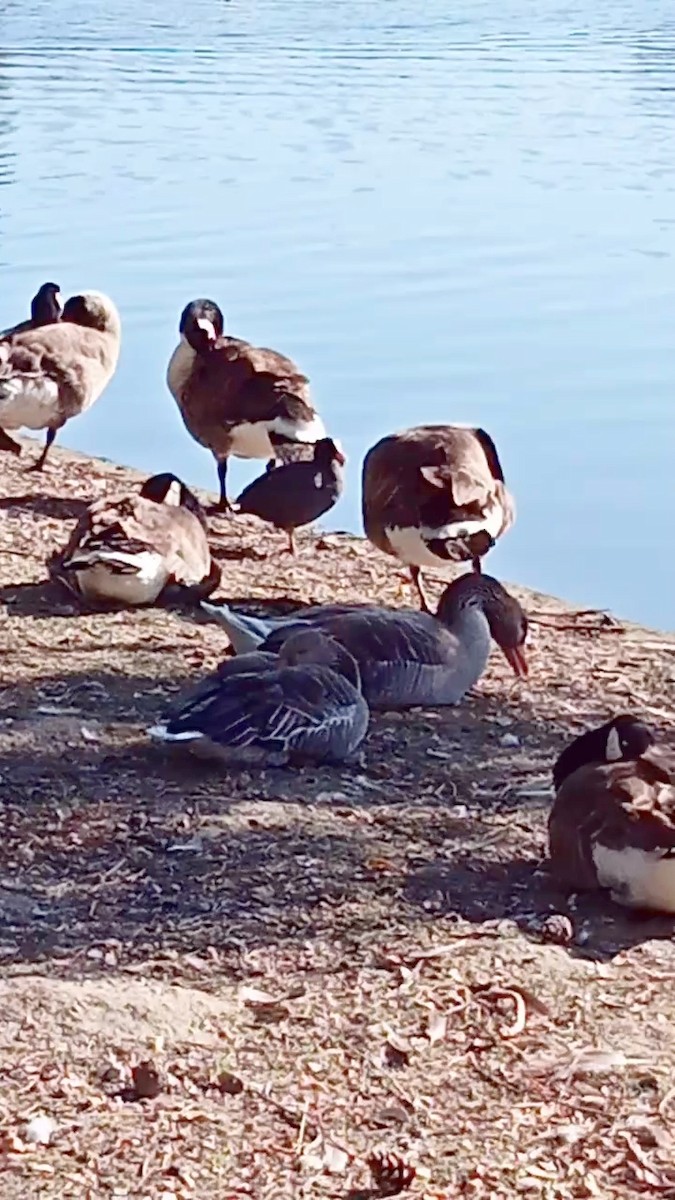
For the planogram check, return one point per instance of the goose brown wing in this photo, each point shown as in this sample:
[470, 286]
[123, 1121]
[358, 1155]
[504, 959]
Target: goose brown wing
[132, 525]
[615, 805]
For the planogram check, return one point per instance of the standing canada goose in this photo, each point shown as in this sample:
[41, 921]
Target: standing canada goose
[612, 824]
[405, 657]
[305, 704]
[50, 374]
[45, 309]
[435, 494]
[126, 549]
[297, 493]
[237, 399]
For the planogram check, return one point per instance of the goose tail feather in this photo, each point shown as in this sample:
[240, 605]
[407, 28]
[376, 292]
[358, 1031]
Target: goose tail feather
[245, 632]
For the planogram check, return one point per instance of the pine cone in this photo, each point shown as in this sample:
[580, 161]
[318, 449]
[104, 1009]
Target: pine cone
[391, 1173]
[557, 928]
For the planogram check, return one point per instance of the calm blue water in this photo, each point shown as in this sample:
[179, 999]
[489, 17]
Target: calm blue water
[441, 217]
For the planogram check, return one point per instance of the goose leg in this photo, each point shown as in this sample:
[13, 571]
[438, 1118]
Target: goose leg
[39, 464]
[223, 504]
[476, 566]
[8, 444]
[292, 548]
[416, 577]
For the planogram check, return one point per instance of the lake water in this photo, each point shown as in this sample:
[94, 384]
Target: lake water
[441, 217]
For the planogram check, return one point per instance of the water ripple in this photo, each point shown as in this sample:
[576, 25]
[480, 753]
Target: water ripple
[443, 212]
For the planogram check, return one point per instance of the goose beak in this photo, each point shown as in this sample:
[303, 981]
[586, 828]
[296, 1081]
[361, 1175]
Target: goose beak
[515, 657]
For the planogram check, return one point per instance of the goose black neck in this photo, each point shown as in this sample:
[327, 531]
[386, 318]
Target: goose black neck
[632, 739]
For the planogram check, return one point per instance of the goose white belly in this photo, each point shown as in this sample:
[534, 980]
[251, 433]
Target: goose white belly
[99, 581]
[637, 878]
[252, 439]
[28, 401]
[410, 543]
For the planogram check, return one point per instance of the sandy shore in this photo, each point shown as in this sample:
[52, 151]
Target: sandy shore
[322, 965]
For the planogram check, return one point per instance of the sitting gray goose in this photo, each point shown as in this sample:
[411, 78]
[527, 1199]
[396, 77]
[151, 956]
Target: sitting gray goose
[45, 309]
[303, 705]
[612, 824]
[297, 493]
[405, 657]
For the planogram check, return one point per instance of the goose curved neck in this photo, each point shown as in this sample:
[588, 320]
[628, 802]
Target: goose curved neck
[467, 620]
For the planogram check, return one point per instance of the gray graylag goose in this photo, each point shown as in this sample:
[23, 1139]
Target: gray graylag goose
[52, 373]
[297, 493]
[45, 309]
[125, 550]
[435, 494]
[304, 705]
[405, 658]
[612, 824]
[237, 399]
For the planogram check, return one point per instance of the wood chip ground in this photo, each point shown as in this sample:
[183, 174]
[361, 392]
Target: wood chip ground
[322, 983]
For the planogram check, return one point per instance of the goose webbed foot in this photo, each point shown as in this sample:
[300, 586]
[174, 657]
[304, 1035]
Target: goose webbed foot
[223, 507]
[40, 462]
[8, 444]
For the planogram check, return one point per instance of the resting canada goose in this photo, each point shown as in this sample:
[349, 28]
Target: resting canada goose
[405, 657]
[612, 824]
[237, 399]
[45, 309]
[304, 705]
[126, 549]
[50, 374]
[435, 494]
[297, 493]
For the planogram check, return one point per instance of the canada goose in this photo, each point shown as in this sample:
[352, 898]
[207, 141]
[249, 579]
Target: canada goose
[405, 657]
[305, 704]
[435, 494]
[126, 549]
[237, 399]
[45, 309]
[297, 493]
[612, 824]
[50, 374]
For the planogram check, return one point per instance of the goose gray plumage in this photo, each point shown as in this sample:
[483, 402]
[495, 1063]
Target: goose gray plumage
[45, 309]
[52, 373]
[303, 705]
[405, 657]
[297, 493]
[126, 549]
[612, 824]
[237, 399]
[435, 494]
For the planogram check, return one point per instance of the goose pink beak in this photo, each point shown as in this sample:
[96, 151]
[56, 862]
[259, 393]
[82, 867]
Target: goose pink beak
[515, 657]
